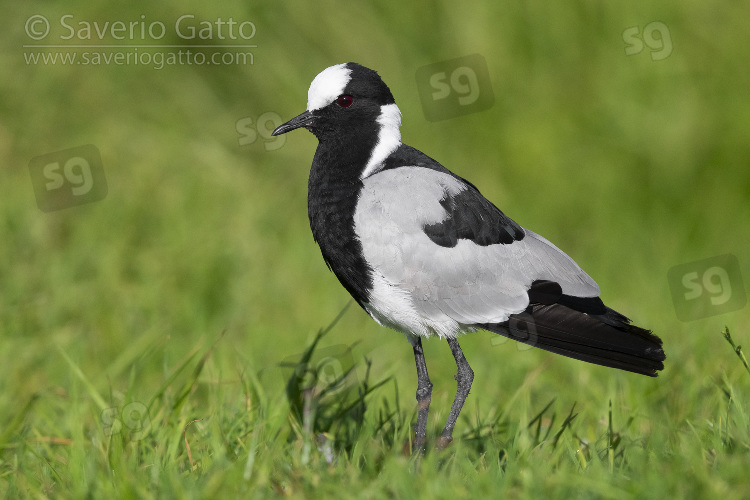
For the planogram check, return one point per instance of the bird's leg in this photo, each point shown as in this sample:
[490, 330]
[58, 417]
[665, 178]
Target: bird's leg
[424, 393]
[464, 377]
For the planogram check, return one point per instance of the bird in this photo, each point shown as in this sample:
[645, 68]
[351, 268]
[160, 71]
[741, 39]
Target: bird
[424, 253]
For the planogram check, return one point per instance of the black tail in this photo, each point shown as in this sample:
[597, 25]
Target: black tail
[604, 339]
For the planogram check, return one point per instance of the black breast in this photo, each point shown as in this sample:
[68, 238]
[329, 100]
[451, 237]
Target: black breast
[333, 192]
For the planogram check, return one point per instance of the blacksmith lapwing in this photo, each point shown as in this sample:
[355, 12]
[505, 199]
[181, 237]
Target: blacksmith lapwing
[423, 252]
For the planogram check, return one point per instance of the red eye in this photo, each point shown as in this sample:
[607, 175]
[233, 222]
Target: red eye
[345, 101]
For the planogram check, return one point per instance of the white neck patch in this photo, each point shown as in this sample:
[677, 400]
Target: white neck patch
[389, 138]
[327, 86]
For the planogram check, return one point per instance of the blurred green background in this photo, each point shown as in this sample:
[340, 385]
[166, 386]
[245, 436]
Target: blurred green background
[629, 164]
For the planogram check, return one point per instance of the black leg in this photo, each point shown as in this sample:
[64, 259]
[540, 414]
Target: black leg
[464, 377]
[424, 393]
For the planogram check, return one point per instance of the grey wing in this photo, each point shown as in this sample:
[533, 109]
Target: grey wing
[424, 287]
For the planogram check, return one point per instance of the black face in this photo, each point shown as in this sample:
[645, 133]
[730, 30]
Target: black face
[353, 113]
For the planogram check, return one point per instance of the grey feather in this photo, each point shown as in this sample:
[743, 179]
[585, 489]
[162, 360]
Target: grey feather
[429, 289]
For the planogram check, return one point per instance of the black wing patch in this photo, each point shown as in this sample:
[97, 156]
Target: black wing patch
[472, 217]
[544, 292]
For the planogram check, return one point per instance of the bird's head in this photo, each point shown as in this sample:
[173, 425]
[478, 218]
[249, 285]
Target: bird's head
[345, 102]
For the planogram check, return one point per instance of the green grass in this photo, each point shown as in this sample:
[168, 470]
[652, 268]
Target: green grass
[151, 342]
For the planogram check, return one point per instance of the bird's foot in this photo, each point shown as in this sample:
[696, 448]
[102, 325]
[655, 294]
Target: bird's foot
[443, 442]
[417, 446]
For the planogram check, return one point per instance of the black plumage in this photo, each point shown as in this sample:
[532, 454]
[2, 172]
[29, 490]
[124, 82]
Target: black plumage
[562, 330]
[470, 216]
